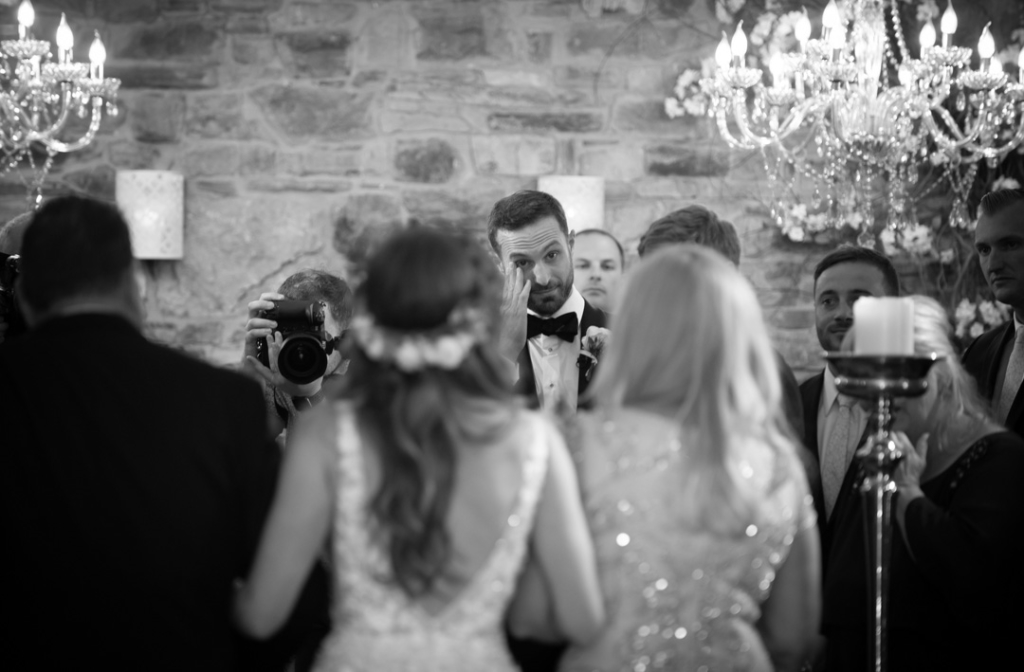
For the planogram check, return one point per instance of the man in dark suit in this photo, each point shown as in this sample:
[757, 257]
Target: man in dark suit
[835, 427]
[544, 318]
[134, 479]
[996, 358]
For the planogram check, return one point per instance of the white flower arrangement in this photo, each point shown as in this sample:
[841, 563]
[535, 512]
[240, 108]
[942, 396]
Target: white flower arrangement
[973, 318]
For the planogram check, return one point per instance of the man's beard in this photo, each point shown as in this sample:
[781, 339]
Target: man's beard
[550, 303]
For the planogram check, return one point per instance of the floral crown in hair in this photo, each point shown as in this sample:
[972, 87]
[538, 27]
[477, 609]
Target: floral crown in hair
[444, 347]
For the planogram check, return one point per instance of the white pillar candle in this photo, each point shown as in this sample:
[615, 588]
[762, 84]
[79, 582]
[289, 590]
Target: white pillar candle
[582, 199]
[883, 326]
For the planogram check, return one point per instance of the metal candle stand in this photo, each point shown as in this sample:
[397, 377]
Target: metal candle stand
[880, 378]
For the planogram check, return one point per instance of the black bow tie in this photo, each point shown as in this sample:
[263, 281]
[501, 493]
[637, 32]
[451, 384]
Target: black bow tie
[566, 327]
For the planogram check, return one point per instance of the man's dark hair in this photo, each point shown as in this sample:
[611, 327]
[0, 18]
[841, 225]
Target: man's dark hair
[313, 285]
[602, 232]
[693, 224]
[73, 246]
[853, 254]
[995, 202]
[522, 209]
[12, 232]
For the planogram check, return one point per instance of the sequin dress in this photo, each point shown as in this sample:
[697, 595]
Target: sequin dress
[378, 627]
[678, 597]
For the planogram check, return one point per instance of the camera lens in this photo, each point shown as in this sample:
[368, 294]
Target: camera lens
[302, 359]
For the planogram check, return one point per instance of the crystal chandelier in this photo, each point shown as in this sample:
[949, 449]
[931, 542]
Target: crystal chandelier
[39, 94]
[854, 110]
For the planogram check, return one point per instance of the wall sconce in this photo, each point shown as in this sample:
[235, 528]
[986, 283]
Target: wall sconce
[153, 202]
[581, 197]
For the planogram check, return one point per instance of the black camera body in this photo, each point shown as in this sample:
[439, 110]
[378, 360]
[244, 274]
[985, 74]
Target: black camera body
[10, 265]
[306, 345]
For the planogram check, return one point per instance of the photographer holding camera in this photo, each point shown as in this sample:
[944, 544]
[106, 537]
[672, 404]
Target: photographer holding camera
[293, 339]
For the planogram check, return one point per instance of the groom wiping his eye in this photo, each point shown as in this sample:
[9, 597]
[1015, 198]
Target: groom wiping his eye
[544, 318]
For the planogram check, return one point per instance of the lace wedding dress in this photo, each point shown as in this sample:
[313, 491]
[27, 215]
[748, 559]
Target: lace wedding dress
[678, 596]
[377, 627]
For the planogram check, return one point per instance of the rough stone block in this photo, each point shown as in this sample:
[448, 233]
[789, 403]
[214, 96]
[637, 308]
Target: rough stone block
[210, 159]
[177, 76]
[612, 160]
[247, 5]
[333, 161]
[192, 40]
[130, 155]
[297, 185]
[466, 212]
[317, 54]
[793, 318]
[538, 47]
[648, 116]
[306, 14]
[451, 37]
[224, 188]
[247, 23]
[303, 112]
[119, 12]
[686, 160]
[509, 155]
[216, 115]
[157, 117]
[401, 114]
[97, 182]
[568, 122]
[253, 49]
[386, 40]
[257, 160]
[598, 38]
[429, 161]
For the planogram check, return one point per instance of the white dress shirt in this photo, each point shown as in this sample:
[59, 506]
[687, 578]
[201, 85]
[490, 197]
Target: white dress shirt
[826, 419]
[554, 360]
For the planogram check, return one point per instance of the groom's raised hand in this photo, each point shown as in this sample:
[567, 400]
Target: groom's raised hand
[513, 314]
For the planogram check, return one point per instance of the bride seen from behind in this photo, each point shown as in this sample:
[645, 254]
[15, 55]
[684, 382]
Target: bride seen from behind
[699, 509]
[431, 479]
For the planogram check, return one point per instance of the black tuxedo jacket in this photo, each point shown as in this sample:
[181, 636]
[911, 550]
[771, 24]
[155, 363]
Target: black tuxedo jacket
[134, 482]
[527, 383]
[982, 359]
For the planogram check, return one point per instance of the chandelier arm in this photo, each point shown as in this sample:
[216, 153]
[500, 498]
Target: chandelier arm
[979, 152]
[94, 126]
[749, 140]
[44, 136]
[959, 138]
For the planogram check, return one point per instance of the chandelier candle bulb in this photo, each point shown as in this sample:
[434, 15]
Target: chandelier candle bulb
[986, 47]
[837, 40]
[739, 45]
[1020, 67]
[995, 67]
[948, 25]
[778, 70]
[830, 20]
[65, 40]
[97, 56]
[26, 17]
[928, 37]
[883, 326]
[802, 30]
[723, 54]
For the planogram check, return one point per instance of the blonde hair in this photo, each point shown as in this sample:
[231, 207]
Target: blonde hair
[932, 330]
[690, 342]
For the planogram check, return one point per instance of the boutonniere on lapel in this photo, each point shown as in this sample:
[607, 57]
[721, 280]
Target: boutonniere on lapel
[591, 347]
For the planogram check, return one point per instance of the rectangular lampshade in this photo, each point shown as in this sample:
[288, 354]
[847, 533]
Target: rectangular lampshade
[582, 198]
[153, 202]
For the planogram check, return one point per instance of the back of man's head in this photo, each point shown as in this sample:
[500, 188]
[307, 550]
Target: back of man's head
[12, 232]
[692, 224]
[314, 285]
[74, 248]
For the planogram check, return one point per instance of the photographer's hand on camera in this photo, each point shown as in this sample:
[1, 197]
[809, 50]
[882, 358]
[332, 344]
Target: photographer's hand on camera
[259, 327]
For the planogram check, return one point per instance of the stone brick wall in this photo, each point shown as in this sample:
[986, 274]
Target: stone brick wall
[306, 129]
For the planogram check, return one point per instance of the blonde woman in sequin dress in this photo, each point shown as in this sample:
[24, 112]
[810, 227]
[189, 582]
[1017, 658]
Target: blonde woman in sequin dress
[431, 480]
[698, 505]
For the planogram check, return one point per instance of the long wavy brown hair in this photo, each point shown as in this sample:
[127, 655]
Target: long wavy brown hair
[416, 420]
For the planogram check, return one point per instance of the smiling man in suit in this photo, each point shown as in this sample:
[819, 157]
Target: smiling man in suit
[996, 358]
[544, 318]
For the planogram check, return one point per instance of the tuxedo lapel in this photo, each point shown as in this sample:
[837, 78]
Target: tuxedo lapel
[592, 317]
[995, 359]
[810, 396]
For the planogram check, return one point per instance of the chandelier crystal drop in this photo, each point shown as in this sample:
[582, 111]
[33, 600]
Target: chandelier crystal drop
[853, 110]
[39, 93]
